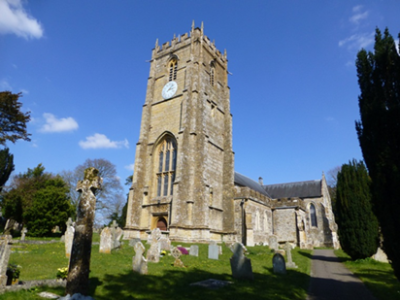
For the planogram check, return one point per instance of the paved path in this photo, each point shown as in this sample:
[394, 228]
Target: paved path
[331, 280]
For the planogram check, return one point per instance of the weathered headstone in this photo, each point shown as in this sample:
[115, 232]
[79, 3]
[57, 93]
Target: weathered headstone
[153, 254]
[290, 263]
[116, 233]
[23, 233]
[176, 253]
[194, 250]
[273, 242]
[139, 263]
[240, 264]
[69, 237]
[105, 241]
[213, 250]
[5, 252]
[79, 265]
[278, 263]
[165, 243]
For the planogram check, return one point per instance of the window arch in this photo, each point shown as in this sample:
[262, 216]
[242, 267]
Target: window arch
[165, 172]
[212, 72]
[313, 216]
[173, 69]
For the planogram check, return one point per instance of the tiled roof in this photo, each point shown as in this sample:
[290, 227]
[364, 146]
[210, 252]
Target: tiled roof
[242, 180]
[302, 189]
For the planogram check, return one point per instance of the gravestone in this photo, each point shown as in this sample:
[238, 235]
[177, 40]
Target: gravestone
[5, 252]
[278, 263]
[79, 265]
[176, 253]
[116, 234]
[290, 263]
[153, 254]
[220, 250]
[139, 263]
[133, 242]
[69, 237]
[165, 243]
[105, 241]
[23, 233]
[213, 250]
[273, 242]
[194, 250]
[240, 264]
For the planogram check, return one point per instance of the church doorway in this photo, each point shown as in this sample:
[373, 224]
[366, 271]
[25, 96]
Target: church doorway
[162, 224]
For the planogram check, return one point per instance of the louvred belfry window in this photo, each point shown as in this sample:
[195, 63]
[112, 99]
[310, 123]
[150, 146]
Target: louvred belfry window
[166, 167]
[173, 69]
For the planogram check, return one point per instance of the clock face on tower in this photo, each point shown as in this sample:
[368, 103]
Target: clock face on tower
[169, 89]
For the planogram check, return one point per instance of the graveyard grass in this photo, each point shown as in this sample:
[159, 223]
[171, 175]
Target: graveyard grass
[111, 275]
[377, 276]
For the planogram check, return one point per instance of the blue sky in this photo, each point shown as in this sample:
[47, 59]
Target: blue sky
[81, 66]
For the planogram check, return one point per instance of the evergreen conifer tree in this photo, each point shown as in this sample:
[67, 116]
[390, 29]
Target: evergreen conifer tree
[357, 224]
[379, 135]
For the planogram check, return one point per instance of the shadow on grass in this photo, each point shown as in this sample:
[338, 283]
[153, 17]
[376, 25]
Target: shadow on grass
[176, 285]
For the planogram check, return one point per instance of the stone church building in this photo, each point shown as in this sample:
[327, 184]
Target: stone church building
[184, 180]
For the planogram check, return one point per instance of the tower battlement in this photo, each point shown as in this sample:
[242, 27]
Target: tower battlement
[195, 35]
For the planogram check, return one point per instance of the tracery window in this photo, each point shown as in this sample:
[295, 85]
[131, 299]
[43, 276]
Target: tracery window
[166, 167]
[173, 69]
[313, 216]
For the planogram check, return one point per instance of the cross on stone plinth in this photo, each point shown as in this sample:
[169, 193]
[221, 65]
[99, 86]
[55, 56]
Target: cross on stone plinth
[79, 266]
[176, 253]
[290, 263]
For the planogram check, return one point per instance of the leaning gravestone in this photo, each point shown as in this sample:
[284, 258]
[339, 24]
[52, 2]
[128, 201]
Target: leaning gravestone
[139, 263]
[273, 242]
[79, 265]
[213, 250]
[153, 254]
[165, 243]
[290, 263]
[240, 264]
[69, 237]
[278, 263]
[5, 252]
[105, 241]
[194, 250]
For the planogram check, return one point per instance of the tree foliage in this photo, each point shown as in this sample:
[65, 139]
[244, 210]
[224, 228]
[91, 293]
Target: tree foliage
[38, 200]
[379, 135]
[357, 224]
[110, 199]
[6, 166]
[12, 120]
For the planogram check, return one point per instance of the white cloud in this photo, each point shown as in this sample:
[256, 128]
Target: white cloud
[356, 18]
[4, 85]
[58, 125]
[24, 92]
[329, 119]
[98, 141]
[358, 41]
[130, 167]
[14, 19]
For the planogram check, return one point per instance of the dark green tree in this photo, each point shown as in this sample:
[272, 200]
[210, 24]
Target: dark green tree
[379, 135]
[12, 120]
[39, 200]
[358, 228]
[6, 166]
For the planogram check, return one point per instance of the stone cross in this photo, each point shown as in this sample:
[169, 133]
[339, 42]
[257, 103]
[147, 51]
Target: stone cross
[5, 252]
[176, 253]
[24, 231]
[139, 263]
[79, 265]
[290, 263]
[240, 265]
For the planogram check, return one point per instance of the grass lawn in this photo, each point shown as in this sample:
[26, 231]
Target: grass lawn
[378, 277]
[112, 277]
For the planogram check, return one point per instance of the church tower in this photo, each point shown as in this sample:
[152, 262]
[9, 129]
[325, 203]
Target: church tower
[184, 179]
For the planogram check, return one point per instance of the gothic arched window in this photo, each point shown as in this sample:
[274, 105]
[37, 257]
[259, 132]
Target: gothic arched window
[166, 167]
[173, 69]
[313, 216]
